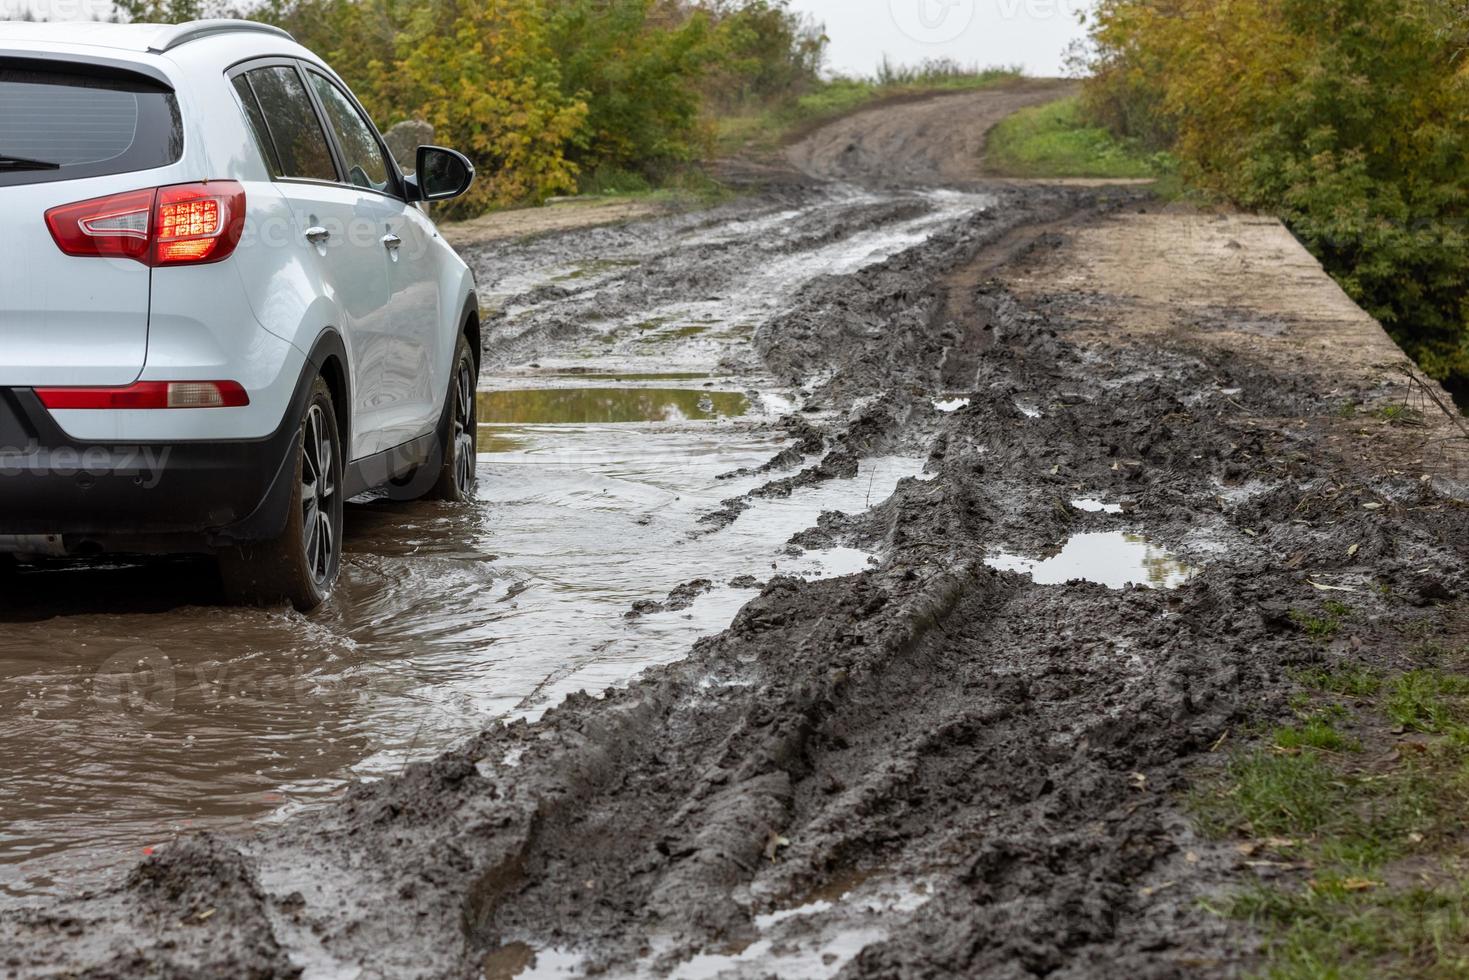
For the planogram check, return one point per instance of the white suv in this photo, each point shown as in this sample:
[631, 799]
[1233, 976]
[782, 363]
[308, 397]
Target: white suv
[223, 308]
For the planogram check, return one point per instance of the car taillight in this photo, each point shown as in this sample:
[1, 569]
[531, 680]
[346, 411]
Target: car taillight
[149, 394]
[110, 226]
[179, 224]
[198, 222]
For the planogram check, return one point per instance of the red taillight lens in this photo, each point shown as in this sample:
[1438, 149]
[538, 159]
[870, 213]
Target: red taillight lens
[176, 225]
[149, 394]
[198, 222]
[116, 226]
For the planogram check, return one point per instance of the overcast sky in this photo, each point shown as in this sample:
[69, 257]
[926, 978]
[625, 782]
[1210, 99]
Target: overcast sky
[1032, 33]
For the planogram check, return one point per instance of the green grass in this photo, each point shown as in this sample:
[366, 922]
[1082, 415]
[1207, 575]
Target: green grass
[613, 181]
[1316, 732]
[1424, 932]
[1361, 824]
[1272, 795]
[685, 186]
[764, 128]
[1322, 627]
[1400, 415]
[1054, 140]
[1353, 682]
[1431, 702]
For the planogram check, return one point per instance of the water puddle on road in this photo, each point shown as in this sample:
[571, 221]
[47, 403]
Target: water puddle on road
[135, 706]
[1115, 559]
[597, 374]
[1089, 505]
[583, 406]
[813, 941]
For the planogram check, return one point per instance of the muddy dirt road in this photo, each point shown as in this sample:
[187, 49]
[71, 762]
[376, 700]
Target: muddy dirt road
[990, 504]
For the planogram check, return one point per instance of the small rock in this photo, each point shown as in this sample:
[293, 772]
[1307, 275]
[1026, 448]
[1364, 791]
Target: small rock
[405, 138]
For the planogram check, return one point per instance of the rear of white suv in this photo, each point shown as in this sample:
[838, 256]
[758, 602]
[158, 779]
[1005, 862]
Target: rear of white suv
[223, 309]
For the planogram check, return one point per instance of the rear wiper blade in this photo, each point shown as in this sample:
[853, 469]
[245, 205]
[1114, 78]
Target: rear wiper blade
[21, 163]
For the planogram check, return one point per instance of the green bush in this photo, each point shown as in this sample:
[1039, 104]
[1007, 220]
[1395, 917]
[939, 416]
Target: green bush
[637, 75]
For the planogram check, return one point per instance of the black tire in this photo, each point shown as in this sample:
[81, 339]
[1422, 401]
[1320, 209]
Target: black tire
[459, 473]
[300, 566]
[454, 476]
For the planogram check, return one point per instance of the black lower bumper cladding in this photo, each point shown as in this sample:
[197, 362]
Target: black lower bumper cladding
[121, 496]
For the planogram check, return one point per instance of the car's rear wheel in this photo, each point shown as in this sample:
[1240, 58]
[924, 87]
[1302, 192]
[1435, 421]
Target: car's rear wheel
[301, 565]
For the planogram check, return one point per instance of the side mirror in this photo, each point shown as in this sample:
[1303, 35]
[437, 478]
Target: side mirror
[441, 174]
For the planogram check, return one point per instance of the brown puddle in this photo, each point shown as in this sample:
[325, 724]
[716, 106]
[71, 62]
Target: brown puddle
[589, 406]
[135, 706]
[600, 374]
[497, 441]
[508, 962]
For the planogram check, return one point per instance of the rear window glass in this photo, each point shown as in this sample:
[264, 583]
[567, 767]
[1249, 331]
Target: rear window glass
[60, 126]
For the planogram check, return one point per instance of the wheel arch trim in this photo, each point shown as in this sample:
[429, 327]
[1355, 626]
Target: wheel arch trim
[328, 356]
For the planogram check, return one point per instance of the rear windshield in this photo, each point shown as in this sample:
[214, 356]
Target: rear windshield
[57, 125]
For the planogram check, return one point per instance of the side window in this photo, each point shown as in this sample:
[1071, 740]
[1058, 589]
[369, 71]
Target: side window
[301, 148]
[361, 151]
[257, 124]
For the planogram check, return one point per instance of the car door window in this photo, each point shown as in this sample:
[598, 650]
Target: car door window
[291, 124]
[258, 126]
[361, 152]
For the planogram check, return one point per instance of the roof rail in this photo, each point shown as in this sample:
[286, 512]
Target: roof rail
[171, 37]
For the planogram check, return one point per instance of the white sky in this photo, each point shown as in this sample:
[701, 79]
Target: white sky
[1031, 33]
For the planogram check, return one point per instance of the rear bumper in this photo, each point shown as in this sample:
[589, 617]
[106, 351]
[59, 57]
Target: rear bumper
[78, 497]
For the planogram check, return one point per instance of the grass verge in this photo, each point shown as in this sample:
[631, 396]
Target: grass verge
[1363, 798]
[1055, 140]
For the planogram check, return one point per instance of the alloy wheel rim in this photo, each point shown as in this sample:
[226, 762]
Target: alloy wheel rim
[318, 495]
[464, 431]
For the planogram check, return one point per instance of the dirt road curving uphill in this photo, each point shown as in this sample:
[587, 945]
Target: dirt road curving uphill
[920, 142]
[1090, 497]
